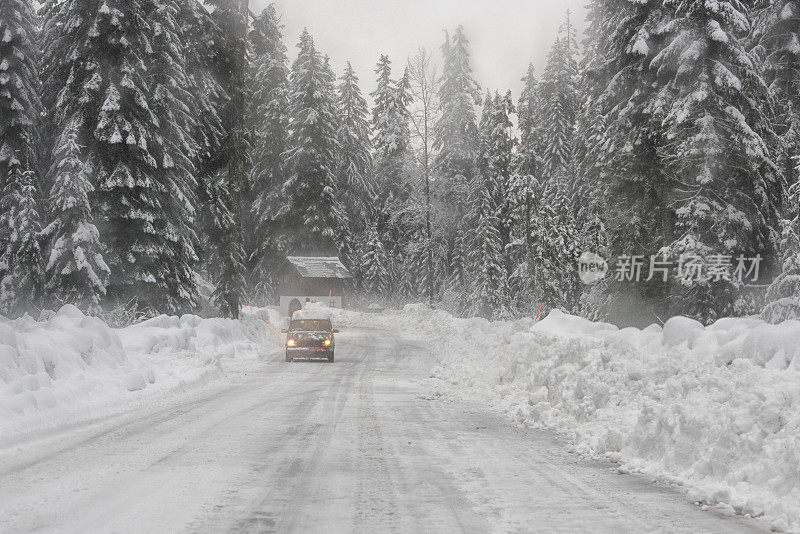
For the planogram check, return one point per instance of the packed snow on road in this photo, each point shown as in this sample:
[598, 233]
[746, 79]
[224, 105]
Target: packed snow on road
[425, 422]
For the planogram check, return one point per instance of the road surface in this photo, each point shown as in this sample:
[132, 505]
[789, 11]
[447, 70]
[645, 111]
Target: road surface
[355, 446]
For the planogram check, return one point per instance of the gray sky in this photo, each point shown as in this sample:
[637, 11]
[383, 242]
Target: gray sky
[504, 34]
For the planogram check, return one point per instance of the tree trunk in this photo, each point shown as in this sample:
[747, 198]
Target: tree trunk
[236, 163]
[428, 222]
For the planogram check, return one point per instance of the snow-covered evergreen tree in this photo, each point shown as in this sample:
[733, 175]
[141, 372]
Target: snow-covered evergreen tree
[354, 165]
[225, 259]
[529, 111]
[776, 34]
[22, 261]
[559, 95]
[310, 216]
[19, 87]
[375, 265]
[202, 42]
[497, 146]
[716, 104]
[391, 134]
[523, 189]
[232, 17]
[268, 123]
[621, 185]
[176, 153]
[556, 249]
[116, 69]
[456, 133]
[457, 294]
[20, 110]
[783, 295]
[392, 158]
[76, 272]
[456, 143]
[490, 295]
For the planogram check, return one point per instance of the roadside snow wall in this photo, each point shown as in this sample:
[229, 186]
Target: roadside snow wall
[715, 409]
[73, 367]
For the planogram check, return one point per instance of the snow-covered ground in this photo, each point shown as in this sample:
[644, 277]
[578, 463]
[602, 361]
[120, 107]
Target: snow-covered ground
[355, 446]
[715, 410]
[73, 368]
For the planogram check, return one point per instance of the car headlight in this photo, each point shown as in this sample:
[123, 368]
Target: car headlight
[290, 342]
[327, 342]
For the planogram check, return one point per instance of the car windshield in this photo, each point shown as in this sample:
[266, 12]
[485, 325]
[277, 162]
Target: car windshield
[311, 325]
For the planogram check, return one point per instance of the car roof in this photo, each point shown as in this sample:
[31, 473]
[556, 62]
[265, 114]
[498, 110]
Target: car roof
[301, 320]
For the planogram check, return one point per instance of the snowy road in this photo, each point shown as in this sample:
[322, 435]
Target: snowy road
[315, 447]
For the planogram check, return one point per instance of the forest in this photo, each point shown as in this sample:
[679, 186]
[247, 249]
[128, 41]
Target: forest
[168, 155]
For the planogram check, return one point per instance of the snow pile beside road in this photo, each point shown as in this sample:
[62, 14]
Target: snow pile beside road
[715, 409]
[73, 367]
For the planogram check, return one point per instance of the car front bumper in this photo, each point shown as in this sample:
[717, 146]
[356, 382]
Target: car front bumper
[309, 352]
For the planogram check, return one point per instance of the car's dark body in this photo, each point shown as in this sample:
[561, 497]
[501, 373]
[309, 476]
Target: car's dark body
[310, 338]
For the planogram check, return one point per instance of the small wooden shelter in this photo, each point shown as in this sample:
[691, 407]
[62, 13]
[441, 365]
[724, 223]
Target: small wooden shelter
[312, 279]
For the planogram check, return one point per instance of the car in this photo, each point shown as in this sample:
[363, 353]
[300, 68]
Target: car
[310, 338]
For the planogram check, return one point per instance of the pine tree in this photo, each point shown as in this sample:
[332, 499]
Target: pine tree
[725, 200]
[221, 250]
[497, 145]
[416, 269]
[355, 178]
[226, 259]
[457, 144]
[621, 185]
[116, 70]
[20, 109]
[375, 278]
[557, 246]
[176, 154]
[382, 123]
[458, 291]
[523, 188]
[559, 94]
[202, 36]
[22, 260]
[456, 133]
[232, 17]
[354, 168]
[783, 295]
[529, 111]
[484, 140]
[776, 34]
[268, 122]
[76, 271]
[392, 157]
[310, 216]
[391, 132]
[490, 285]
[19, 88]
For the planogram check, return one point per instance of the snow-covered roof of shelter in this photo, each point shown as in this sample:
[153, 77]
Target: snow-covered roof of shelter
[319, 267]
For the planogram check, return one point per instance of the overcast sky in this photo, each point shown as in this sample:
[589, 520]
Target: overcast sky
[505, 35]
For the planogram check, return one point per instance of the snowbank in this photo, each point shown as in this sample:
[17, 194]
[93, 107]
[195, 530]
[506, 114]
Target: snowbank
[715, 409]
[72, 367]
